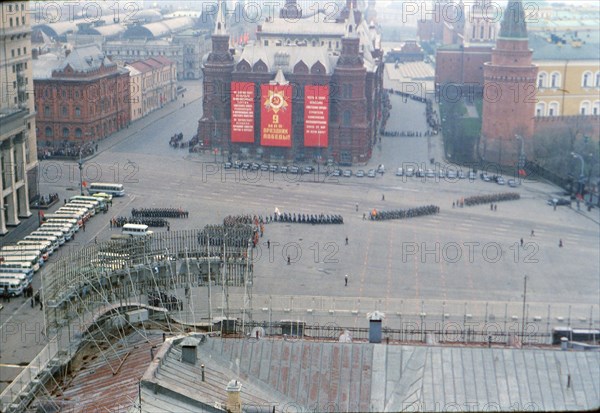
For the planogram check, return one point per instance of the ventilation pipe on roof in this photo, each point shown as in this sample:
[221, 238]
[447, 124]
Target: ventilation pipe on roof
[234, 400]
[189, 346]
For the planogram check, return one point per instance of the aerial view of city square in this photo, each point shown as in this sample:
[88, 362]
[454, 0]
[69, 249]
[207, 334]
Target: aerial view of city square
[299, 206]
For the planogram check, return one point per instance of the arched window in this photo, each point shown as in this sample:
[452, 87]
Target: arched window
[47, 110]
[474, 28]
[481, 29]
[540, 109]
[541, 83]
[597, 80]
[347, 117]
[77, 111]
[586, 80]
[584, 108]
[48, 132]
[78, 133]
[66, 133]
[555, 80]
[553, 109]
[64, 111]
[596, 108]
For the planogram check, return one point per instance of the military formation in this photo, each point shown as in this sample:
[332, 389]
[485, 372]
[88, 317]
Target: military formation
[118, 222]
[236, 236]
[305, 218]
[405, 213]
[486, 199]
[159, 213]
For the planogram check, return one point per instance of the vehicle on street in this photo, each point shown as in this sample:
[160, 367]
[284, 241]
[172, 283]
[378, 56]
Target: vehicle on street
[461, 175]
[485, 177]
[399, 172]
[107, 188]
[559, 201]
[430, 173]
[283, 169]
[237, 164]
[500, 181]
[228, 165]
[308, 169]
[472, 175]
[360, 173]
[410, 172]
[255, 166]
[513, 183]
[451, 174]
[371, 173]
[274, 168]
[337, 172]
[381, 169]
[347, 173]
[264, 167]
[136, 230]
[245, 166]
[294, 169]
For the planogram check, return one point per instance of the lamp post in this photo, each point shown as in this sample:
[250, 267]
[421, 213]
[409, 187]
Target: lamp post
[521, 165]
[581, 174]
[80, 163]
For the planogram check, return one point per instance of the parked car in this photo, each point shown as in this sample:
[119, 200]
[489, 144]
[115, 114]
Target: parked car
[430, 173]
[360, 173]
[274, 168]
[381, 169]
[500, 181]
[337, 172]
[513, 183]
[461, 175]
[245, 166]
[294, 169]
[227, 165]
[399, 172]
[410, 172]
[451, 174]
[347, 173]
[559, 201]
[485, 177]
[255, 166]
[308, 169]
[264, 167]
[421, 173]
[371, 173]
[283, 169]
[472, 175]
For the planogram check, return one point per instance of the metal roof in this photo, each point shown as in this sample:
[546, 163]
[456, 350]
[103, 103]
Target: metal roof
[320, 376]
[160, 28]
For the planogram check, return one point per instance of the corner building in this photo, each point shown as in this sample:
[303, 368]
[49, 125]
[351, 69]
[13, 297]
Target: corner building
[306, 89]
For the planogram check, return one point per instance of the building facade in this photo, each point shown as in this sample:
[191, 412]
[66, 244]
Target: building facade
[509, 92]
[345, 70]
[18, 153]
[156, 82]
[81, 98]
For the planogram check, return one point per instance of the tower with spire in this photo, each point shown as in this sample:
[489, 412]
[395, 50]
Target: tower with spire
[213, 127]
[509, 92]
[349, 126]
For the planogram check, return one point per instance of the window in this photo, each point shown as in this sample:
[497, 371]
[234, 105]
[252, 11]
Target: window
[585, 82]
[597, 81]
[266, 42]
[553, 109]
[48, 132]
[541, 83]
[12, 53]
[584, 108]
[22, 19]
[78, 133]
[347, 118]
[555, 80]
[10, 22]
[540, 109]
[64, 111]
[596, 108]
[473, 36]
[481, 32]
[47, 110]
[66, 133]
[78, 111]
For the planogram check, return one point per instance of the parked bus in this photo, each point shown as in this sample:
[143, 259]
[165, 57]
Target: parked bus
[68, 231]
[45, 244]
[136, 230]
[82, 205]
[64, 220]
[78, 218]
[17, 268]
[49, 235]
[33, 260]
[25, 250]
[92, 199]
[106, 197]
[84, 212]
[111, 189]
[85, 202]
[15, 284]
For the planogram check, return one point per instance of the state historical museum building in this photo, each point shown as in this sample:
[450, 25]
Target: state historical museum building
[307, 88]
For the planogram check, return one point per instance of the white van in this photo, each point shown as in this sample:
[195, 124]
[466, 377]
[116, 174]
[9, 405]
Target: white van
[136, 230]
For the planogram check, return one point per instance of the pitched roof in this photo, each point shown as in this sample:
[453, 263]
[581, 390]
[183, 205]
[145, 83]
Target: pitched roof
[287, 57]
[513, 22]
[86, 58]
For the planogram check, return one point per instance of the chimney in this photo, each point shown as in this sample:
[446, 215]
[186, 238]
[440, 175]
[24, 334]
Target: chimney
[375, 319]
[67, 52]
[234, 400]
[564, 343]
[189, 346]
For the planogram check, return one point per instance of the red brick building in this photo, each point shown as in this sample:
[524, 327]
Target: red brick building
[79, 99]
[343, 58]
[509, 92]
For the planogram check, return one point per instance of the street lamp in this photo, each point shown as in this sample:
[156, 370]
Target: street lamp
[80, 163]
[581, 175]
[521, 154]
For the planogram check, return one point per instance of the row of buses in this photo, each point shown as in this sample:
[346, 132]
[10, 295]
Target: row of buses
[19, 262]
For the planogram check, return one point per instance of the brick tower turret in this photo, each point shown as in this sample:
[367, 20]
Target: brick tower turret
[214, 128]
[509, 92]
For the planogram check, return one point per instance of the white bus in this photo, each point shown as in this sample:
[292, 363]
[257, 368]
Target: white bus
[49, 235]
[87, 203]
[81, 205]
[106, 197]
[112, 189]
[83, 212]
[25, 250]
[31, 239]
[92, 199]
[136, 230]
[33, 260]
[14, 284]
[17, 268]
[68, 231]
[65, 221]
[43, 244]
[78, 218]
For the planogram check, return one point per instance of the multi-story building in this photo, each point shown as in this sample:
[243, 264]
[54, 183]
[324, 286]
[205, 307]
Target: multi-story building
[127, 51]
[80, 98]
[18, 153]
[156, 81]
[318, 92]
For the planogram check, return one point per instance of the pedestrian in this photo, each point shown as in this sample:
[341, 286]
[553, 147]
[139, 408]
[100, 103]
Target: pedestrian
[5, 294]
[364, 216]
[453, 205]
[346, 280]
[346, 240]
[111, 222]
[268, 244]
[495, 207]
[555, 206]
[32, 302]
[83, 227]
[289, 260]
[491, 207]
[95, 240]
[357, 207]
[532, 233]
[65, 201]
[560, 243]
[521, 241]
[168, 227]
[383, 197]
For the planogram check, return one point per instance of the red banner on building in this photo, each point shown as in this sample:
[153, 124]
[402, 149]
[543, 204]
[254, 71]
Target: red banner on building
[276, 115]
[316, 116]
[242, 112]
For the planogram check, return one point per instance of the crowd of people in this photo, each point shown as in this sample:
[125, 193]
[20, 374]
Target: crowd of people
[490, 199]
[118, 222]
[404, 213]
[162, 300]
[67, 150]
[159, 213]
[48, 200]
